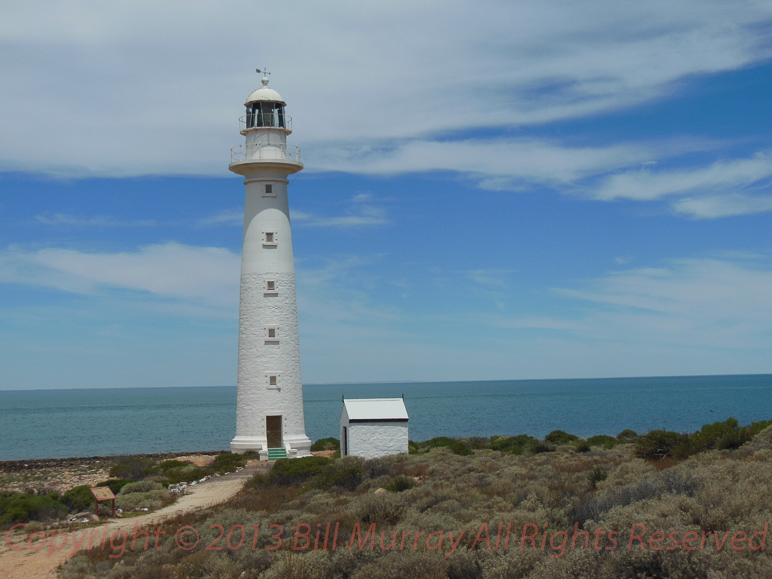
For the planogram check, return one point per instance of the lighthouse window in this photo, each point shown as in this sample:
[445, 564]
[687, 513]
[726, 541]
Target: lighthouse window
[268, 189]
[270, 285]
[265, 114]
[272, 380]
[269, 238]
[272, 335]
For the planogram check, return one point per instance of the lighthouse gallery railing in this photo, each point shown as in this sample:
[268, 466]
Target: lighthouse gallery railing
[264, 151]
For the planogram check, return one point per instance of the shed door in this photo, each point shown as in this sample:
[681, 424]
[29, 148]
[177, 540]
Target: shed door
[345, 441]
[273, 431]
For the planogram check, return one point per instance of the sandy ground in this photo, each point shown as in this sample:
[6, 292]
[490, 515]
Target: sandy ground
[39, 565]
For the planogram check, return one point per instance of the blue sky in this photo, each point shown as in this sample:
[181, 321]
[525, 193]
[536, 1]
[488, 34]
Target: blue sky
[499, 191]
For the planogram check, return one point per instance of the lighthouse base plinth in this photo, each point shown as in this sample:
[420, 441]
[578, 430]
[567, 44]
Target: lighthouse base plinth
[295, 447]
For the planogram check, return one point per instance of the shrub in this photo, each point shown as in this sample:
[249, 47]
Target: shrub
[133, 467]
[78, 498]
[583, 446]
[400, 483]
[142, 486]
[329, 443]
[115, 484]
[511, 444]
[297, 470]
[455, 446]
[345, 473]
[537, 447]
[627, 434]
[25, 507]
[168, 465]
[604, 440]
[141, 494]
[596, 475]
[659, 444]
[478, 442]
[560, 437]
[228, 462]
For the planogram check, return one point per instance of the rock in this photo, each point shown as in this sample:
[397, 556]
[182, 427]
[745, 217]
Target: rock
[380, 491]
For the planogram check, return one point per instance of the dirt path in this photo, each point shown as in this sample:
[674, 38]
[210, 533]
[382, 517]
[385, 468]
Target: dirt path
[39, 565]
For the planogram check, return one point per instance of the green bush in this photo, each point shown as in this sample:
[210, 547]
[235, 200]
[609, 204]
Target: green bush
[133, 467]
[627, 434]
[168, 465]
[454, 446]
[604, 440]
[116, 485]
[596, 475]
[78, 498]
[345, 473]
[329, 443]
[477, 442]
[512, 444]
[142, 486]
[297, 470]
[583, 446]
[228, 462]
[400, 483]
[537, 447]
[141, 494]
[560, 437]
[26, 507]
[659, 444]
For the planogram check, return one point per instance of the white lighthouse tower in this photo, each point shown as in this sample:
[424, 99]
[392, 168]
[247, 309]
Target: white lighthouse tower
[269, 413]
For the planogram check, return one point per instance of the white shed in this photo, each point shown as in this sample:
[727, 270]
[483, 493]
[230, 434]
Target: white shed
[373, 427]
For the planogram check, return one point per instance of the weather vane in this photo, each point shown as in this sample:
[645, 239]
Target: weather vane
[264, 71]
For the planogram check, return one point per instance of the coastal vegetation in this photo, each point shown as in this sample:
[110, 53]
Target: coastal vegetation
[657, 505]
[140, 483]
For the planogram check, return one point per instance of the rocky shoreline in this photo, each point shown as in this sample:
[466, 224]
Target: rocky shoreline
[61, 474]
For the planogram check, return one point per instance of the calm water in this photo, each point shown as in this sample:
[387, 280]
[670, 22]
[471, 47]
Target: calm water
[65, 423]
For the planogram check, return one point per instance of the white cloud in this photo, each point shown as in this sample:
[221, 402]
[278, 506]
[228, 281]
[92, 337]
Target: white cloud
[361, 213]
[517, 160]
[646, 185]
[207, 275]
[96, 221]
[144, 87]
[224, 217]
[490, 277]
[714, 206]
[701, 302]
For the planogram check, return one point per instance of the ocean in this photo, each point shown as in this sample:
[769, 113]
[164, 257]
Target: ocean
[112, 421]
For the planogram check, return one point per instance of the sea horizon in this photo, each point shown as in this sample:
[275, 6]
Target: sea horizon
[110, 421]
[382, 382]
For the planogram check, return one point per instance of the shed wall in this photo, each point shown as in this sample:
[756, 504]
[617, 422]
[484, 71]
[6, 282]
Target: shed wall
[374, 439]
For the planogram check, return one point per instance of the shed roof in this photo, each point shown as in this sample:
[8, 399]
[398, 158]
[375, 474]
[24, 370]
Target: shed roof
[375, 408]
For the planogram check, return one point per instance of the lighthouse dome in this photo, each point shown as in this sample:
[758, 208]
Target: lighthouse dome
[264, 94]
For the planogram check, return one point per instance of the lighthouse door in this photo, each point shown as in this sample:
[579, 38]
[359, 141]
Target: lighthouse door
[273, 431]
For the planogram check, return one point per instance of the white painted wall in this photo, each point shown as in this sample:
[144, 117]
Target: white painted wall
[374, 439]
